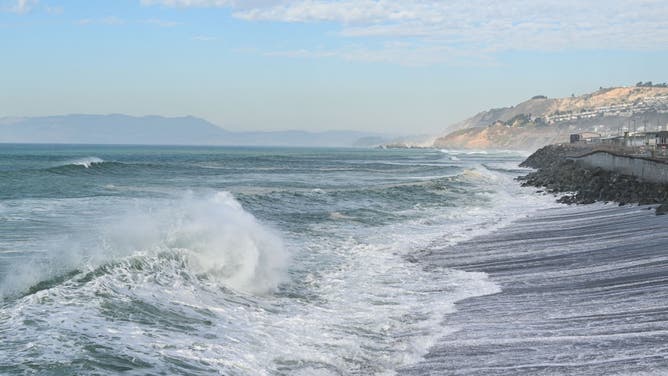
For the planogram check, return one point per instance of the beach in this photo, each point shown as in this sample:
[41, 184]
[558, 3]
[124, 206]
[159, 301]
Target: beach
[583, 292]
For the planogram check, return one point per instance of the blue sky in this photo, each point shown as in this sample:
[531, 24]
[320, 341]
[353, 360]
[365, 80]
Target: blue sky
[410, 66]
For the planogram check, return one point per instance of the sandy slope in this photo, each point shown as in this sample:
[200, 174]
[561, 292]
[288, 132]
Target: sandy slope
[583, 293]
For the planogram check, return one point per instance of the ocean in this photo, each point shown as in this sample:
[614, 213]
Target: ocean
[267, 261]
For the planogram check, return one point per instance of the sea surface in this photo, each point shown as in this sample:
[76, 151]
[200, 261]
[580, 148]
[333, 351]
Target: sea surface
[241, 261]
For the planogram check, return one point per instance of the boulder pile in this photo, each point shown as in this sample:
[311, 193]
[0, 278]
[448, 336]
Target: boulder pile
[556, 173]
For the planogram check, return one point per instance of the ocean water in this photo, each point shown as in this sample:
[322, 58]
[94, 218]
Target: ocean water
[239, 261]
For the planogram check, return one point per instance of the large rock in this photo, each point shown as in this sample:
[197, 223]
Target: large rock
[557, 174]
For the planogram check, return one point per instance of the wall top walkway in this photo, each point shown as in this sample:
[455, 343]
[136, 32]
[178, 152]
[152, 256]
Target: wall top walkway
[620, 154]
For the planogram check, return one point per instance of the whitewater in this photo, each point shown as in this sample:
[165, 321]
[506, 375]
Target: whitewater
[249, 261]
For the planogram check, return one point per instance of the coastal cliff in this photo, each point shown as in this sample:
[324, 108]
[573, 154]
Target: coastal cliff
[541, 121]
[501, 136]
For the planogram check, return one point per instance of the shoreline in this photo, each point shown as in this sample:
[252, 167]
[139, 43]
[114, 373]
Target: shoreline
[583, 291]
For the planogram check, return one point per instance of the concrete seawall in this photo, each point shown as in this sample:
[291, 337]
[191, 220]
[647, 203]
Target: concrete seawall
[645, 169]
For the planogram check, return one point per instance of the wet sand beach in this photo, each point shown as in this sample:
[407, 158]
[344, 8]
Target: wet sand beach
[584, 291]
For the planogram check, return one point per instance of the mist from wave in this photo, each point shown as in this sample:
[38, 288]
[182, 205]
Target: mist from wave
[215, 235]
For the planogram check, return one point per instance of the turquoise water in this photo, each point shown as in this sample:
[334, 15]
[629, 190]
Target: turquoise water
[205, 260]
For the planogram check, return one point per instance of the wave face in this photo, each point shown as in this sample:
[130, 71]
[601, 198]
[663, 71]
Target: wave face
[158, 260]
[85, 162]
[213, 235]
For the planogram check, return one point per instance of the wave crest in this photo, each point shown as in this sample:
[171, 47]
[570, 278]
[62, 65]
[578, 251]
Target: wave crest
[220, 241]
[227, 243]
[86, 162]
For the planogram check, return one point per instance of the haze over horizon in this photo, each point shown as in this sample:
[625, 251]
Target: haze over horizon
[313, 65]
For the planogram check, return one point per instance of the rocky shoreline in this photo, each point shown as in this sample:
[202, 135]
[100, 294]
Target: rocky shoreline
[557, 174]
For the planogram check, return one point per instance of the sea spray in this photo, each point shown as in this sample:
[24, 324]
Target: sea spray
[226, 242]
[219, 239]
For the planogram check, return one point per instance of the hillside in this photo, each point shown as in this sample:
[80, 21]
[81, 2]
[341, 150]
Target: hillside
[540, 120]
[499, 136]
[110, 129]
[536, 105]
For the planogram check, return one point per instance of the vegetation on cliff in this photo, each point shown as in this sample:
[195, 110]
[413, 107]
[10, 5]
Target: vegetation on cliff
[541, 121]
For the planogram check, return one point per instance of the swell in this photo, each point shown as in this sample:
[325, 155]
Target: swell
[98, 166]
[380, 203]
[356, 301]
[374, 309]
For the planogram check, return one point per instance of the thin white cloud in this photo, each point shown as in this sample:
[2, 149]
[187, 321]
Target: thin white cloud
[407, 54]
[464, 27]
[28, 6]
[204, 38]
[54, 10]
[21, 6]
[303, 53]
[190, 3]
[110, 21]
[161, 23]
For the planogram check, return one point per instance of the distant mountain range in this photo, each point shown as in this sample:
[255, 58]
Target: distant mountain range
[158, 130]
[525, 126]
[541, 120]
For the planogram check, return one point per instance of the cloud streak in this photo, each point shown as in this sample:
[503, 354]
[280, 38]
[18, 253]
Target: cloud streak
[190, 3]
[160, 22]
[436, 30]
[22, 6]
[109, 21]
[204, 38]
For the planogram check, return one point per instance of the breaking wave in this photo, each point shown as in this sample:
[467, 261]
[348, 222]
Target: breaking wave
[164, 282]
[87, 162]
[217, 239]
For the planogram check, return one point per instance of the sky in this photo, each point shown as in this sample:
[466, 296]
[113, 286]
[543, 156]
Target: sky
[409, 66]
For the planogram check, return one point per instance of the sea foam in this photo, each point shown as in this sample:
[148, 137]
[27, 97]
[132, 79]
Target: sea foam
[84, 162]
[218, 238]
[226, 242]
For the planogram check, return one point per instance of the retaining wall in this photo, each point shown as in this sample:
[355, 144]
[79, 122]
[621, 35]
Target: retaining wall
[645, 169]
